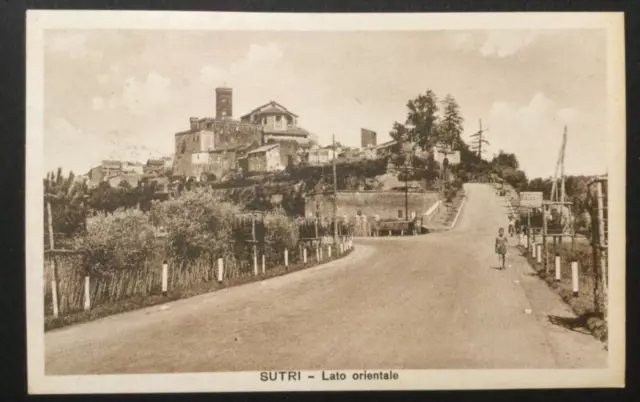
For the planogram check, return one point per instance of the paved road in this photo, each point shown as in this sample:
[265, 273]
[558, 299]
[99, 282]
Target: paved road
[424, 302]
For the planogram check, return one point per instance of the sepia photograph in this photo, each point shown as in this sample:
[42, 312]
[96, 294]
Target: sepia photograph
[289, 202]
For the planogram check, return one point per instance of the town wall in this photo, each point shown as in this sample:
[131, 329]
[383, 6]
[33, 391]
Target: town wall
[385, 204]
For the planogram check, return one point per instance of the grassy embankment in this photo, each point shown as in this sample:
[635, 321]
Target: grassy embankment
[583, 305]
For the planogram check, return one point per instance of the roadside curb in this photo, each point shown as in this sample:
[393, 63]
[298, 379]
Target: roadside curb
[595, 325]
[455, 220]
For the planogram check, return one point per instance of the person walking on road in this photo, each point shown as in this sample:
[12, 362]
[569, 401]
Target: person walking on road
[512, 227]
[501, 247]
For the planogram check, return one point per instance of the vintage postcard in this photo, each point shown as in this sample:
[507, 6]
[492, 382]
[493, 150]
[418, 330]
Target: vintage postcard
[291, 202]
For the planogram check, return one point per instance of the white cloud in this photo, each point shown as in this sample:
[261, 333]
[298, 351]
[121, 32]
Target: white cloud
[505, 43]
[97, 103]
[463, 41]
[61, 136]
[259, 62]
[72, 44]
[141, 96]
[532, 131]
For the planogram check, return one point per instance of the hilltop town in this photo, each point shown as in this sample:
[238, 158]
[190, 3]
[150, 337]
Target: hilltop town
[268, 139]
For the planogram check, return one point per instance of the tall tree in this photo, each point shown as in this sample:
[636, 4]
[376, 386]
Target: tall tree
[421, 124]
[450, 127]
[67, 199]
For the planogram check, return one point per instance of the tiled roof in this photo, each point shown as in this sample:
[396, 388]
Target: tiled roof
[274, 104]
[296, 131]
[263, 148]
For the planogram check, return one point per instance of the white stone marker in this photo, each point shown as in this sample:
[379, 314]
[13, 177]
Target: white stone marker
[165, 277]
[220, 270]
[87, 293]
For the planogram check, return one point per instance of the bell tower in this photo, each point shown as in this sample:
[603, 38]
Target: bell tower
[224, 103]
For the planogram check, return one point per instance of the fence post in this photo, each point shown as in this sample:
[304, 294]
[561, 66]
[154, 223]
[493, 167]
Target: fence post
[54, 295]
[255, 261]
[87, 293]
[317, 253]
[574, 278]
[539, 253]
[533, 250]
[304, 254]
[286, 257]
[165, 279]
[263, 263]
[558, 276]
[329, 250]
[220, 273]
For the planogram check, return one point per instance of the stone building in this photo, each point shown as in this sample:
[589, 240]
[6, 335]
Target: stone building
[265, 159]
[208, 147]
[368, 138]
[109, 169]
[218, 145]
[280, 126]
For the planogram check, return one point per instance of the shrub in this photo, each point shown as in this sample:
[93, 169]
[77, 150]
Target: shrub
[122, 240]
[199, 223]
[280, 232]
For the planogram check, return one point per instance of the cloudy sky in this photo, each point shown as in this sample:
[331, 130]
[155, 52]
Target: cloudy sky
[122, 94]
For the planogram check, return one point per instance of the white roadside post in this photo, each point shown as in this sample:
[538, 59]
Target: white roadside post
[220, 273]
[54, 294]
[317, 254]
[286, 257]
[263, 264]
[574, 278]
[533, 250]
[539, 253]
[255, 261]
[558, 267]
[329, 250]
[304, 254]
[87, 293]
[165, 277]
[321, 252]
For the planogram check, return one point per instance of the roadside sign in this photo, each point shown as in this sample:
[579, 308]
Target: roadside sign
[531, 199]
[452, 156]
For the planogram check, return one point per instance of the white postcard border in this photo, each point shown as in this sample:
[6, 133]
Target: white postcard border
[41, 20]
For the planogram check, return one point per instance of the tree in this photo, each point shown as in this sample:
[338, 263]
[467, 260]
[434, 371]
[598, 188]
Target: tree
[68, 209]
[504, 160]
[450, 127]
[421, 124]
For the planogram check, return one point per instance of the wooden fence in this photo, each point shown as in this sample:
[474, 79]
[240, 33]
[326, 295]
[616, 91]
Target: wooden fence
[71, 286]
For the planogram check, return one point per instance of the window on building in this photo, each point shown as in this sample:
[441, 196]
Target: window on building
[183, 149]
[264, 120]
[399, 213]
[278, 118]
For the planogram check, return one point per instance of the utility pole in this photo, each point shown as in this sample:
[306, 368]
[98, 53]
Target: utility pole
[559, 167]
[335, 194]
[479, 140]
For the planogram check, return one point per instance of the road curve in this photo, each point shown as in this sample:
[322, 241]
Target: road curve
[423, 302]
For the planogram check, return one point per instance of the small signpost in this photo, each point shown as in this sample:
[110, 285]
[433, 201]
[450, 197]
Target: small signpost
[530, 203]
